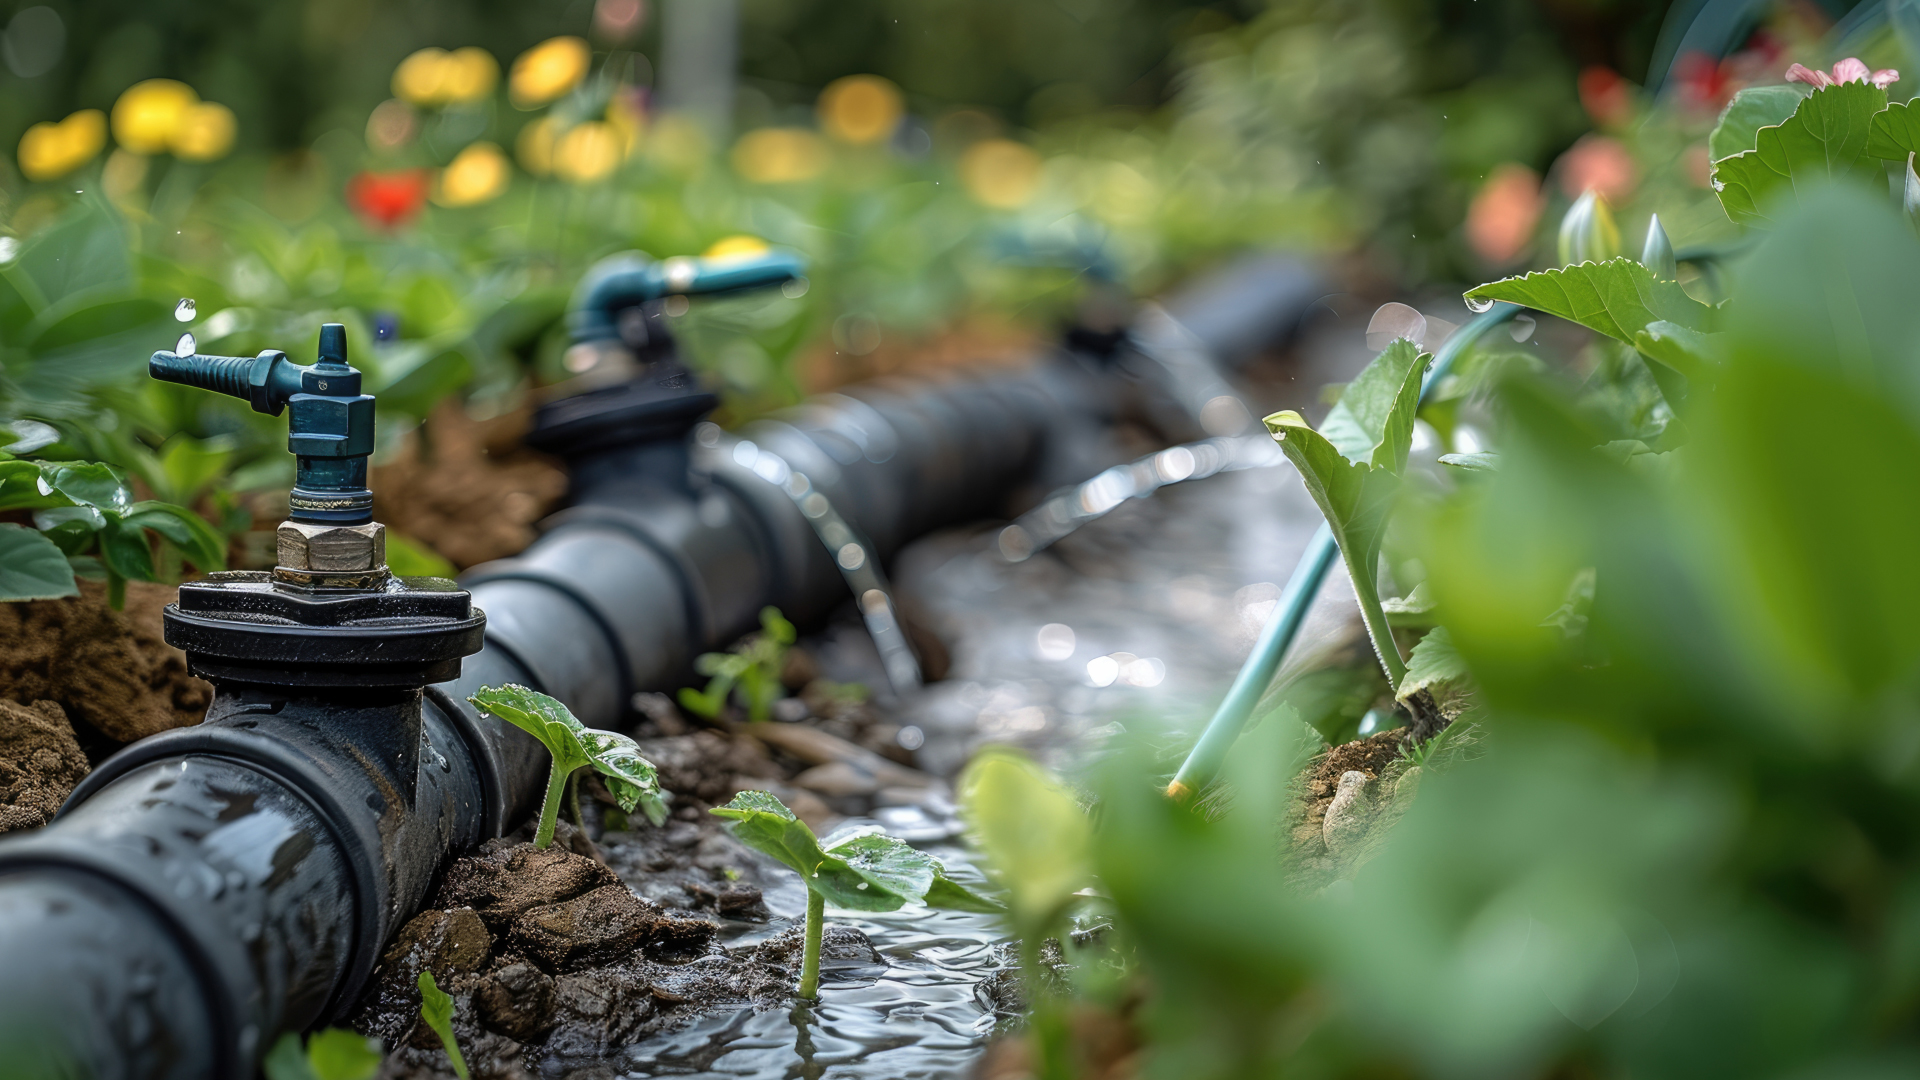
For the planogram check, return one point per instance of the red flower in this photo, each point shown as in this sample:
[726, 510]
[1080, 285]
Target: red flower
[1852, 69]
[1706, 83]
[388, 200]
[1607, 97]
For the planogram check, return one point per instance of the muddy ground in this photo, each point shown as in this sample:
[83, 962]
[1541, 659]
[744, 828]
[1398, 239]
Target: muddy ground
[78, 681]
[467, 488]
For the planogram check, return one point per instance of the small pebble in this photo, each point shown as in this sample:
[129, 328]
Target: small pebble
[1347, 814]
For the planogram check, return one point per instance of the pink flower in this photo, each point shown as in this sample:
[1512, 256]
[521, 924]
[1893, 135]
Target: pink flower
[1852, 69]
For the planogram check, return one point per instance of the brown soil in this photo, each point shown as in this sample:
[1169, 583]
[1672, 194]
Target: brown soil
[109, 670]
[549, 955]
[1372, 757]
[40, 763]
[467, 488]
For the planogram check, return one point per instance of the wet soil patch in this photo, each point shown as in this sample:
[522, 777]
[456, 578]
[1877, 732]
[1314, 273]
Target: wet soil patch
[551, 958]
[40, 763]
[1346, 794]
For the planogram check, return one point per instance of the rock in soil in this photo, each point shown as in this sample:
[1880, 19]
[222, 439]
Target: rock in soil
[1315, 857]
[1347, 815]
[108, 669]
[40, 763]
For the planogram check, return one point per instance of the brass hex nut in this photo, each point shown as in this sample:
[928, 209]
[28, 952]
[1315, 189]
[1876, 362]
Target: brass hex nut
[333, 549]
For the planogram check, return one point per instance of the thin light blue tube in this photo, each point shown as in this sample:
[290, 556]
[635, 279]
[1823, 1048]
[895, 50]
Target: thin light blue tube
[1276, 637]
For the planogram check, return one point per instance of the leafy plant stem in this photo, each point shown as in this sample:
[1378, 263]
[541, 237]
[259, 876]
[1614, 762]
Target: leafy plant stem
[1377, 628]
[810, 957]
[550, 810]
[116, 591]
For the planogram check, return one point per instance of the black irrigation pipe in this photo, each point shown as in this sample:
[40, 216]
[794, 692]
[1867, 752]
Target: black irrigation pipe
[210, 887]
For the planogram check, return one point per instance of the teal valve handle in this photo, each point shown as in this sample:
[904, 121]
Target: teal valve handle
[330, 432]
[625, 281]
[1276, 637]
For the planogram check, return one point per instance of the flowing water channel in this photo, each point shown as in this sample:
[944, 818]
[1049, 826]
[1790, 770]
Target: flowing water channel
[1143, 615]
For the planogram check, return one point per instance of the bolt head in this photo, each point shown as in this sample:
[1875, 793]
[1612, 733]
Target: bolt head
[332, 549]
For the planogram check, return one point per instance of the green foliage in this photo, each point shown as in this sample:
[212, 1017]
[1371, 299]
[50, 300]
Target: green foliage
[1750, 110]
[1826, 138]
[1588, 232]
[630, 778]
[1895, 132]
[32, 567]
[85, 514]
[436, 1011]
[1355, 480]
[753, 667]
[862, 872]
[330, 1054]
[1618, 298]
[1433, 663]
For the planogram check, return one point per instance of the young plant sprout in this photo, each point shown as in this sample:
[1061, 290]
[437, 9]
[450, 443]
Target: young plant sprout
[330, 1054]
[630, 777]
[861, 873]
[436, 1009]
[754, 667]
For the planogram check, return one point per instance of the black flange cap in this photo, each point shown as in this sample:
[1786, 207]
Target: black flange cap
[238, 626]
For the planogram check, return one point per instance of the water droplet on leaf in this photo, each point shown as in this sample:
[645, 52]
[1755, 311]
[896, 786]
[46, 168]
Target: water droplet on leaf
[1479, 307]
[1522, 327]
[185, 346]
[184, 310]
[41, 483]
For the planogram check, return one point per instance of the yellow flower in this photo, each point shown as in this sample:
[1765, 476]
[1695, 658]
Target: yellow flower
[417, 79]
[475, 175]
[861, 109]
[779, 155]
[205, 132]
[534, 146]
[735, 247]
[587, 152]
[1000, 172]
[145, 116]
[433, 76]
[548, 70]
[49, 150]
[469, 74]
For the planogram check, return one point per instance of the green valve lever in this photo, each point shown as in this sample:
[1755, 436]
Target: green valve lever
[329, 539]
[625, 281]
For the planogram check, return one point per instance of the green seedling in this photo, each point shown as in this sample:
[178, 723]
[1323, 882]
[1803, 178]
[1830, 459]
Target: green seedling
[330, 1054]
[1352, 467]
[753, 667]
[630, 778]
[436, 1010]
[861, 873]
[86, 522]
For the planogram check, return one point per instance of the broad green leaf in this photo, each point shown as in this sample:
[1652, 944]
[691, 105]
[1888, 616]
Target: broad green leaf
[126, 550]
[764, 824]
[631, 778]
[1895, 131]
[26, 485]
[1478, 461]
[340, 1054]
[1689, 352]
[92, 484]
[202, 545]
[1355, 498]
[32, 567]
[950, 895]
[887, 863]
[1037, 840]
[1371, 414]
[1618, 298]
[1749, 111]
[436, 1009]
[82, 518]
[1433, 662]
[1825, 139]
[189, 466]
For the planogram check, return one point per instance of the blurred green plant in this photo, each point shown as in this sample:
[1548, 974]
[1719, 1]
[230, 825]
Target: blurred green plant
[330, 1054]
[753, 668]
[436, 1011]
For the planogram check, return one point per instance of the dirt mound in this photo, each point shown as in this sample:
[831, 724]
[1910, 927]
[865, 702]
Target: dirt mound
[1321, 789]
[108, 669]
[40, 763]
[467, 488]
